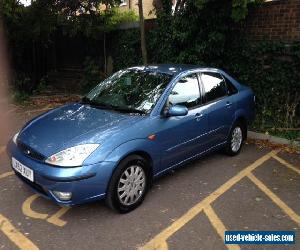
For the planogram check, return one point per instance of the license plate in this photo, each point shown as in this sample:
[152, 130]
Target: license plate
[22, 169]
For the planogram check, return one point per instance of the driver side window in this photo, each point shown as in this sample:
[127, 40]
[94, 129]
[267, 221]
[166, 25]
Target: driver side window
[186, 92]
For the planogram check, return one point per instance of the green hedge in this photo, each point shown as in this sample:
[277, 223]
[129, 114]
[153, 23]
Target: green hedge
[273, 71]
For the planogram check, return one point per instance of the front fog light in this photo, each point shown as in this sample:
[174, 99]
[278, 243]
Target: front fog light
[63, 196]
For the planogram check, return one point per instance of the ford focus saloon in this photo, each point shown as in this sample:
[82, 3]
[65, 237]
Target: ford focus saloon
[131, 128]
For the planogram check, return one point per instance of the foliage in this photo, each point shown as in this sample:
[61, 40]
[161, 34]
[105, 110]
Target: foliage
[91, 23]
[193, 34]
[290, 135]
[32, 30]
[92, 74]
[240, 8]
[27, 27]
[126, 48]
[114, 16]
[272, 70]
[73, 8]
[42, 86]
[21, 97]
[21, 82]
[33, 23]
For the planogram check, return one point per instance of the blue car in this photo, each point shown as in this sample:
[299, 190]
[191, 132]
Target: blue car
[131, 128]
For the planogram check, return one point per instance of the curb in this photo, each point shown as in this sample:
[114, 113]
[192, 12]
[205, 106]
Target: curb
[271, 138]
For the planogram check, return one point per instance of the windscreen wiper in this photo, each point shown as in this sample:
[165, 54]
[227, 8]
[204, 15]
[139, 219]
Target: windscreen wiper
[86, 100]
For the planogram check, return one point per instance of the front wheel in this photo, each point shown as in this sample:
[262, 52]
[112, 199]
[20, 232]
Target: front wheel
[128, 185]
[235, 139]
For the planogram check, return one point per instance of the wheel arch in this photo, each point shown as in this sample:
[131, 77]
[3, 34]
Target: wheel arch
[116, 174]
[142, 154]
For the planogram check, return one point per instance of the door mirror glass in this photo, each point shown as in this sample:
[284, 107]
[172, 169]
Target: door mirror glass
[177, 110]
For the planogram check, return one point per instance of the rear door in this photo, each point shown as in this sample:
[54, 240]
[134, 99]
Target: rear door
[219, 105]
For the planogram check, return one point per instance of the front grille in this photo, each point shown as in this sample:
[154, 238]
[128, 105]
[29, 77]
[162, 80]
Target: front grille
[33, 185]
[30, 152]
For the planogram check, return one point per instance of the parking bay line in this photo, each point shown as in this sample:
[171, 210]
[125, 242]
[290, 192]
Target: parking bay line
[27, 211]
[288, 165]
[53, 219]
[159, 241]
[6, 174]
[218, 225]
[15, 236]
[285, 208]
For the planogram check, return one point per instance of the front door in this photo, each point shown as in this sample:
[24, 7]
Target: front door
[182, 137]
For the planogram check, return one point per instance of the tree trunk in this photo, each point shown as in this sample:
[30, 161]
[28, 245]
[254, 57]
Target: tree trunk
[142, 31]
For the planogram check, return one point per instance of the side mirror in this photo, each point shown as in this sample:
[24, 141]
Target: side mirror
[177, 110]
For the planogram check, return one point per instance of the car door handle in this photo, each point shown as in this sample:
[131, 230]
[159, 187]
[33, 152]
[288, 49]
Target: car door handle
[198, 116]
[228, 104]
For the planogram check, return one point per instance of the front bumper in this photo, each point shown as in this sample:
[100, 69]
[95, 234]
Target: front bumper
[87, 183]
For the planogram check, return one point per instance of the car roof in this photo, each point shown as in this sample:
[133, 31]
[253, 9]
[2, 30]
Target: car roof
[171, 69]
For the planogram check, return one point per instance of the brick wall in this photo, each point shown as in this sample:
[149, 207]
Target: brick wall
[275, 20]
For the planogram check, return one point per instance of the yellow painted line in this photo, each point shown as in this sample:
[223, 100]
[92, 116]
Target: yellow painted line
[191, 213]
[6, 174]
[2, 149]
[26, 208]
[15, 236]
[285, 163]
[219, 226]
[162, 245]
[55, 219]
[285, 208]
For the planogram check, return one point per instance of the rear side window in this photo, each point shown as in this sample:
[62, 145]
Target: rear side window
[186, 92]
[214, 86]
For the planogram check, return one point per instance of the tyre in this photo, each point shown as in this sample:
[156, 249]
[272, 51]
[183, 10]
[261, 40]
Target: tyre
[236, 138]
[128, 185]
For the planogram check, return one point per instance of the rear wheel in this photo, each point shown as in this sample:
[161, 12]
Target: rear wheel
[235, 139]
[128, 185]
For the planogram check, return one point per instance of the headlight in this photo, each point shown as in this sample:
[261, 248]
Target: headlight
[15, 138]
[72, 157]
